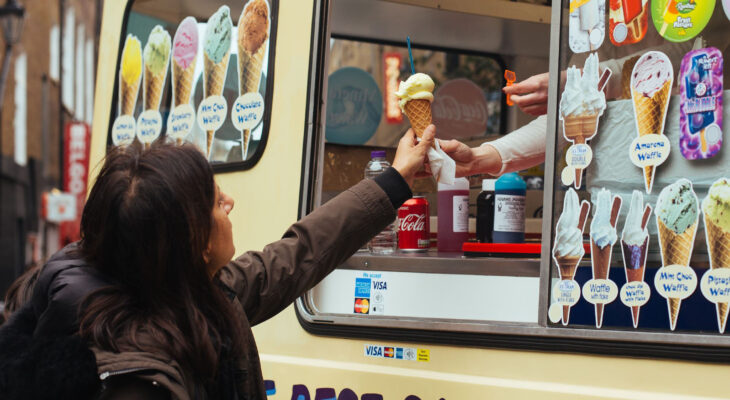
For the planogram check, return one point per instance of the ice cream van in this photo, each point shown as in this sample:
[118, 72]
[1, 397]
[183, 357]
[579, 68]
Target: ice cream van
[620, 291]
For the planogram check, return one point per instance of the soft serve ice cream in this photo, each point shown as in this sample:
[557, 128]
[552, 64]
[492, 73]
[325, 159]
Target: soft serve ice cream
[603, 237]
[635, 244]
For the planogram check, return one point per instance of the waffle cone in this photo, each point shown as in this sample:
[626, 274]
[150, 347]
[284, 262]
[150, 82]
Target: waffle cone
[651, 113]
[245, 139]
[718, 242]
[182, 82]
[635, 274]
[249, 68]
[128, 97]
[567, 267]
[419, 114]
[626, 71]
[584, 125]
[214, 79]
[600, 261]
[153, 85]
[676, 249]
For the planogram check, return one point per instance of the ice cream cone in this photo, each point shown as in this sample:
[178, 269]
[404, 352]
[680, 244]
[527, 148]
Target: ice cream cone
[650, 117]
[601, 262]
[249, 69]
[635, 265]
[153, 85]
[626, 71]
[567, 267]
[214, 77]
[182, 80]
[579, 129]
[718, 242]
[128, 97]
[676, 249]
[419, 114]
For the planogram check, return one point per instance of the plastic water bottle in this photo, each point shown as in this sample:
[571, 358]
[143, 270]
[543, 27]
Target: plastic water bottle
[386, 241]
[509, 209]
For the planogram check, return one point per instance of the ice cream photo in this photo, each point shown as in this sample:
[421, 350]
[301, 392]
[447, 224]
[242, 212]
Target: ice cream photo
[253, 39]
[582, 104]
[716, 214]
[681, 20]
[700, 109]
[156, 59]
[216, 50]
[587, 25]
[603, 236]
[568, 248]
[627, 21]
[651, 84]
[677, 213]
[635, 244]
[415, 96]
[184, 58]
[129, 75]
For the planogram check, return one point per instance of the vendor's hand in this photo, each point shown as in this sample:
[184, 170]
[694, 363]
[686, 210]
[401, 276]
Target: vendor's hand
[531, 94]
[410, 155]
[472, 161]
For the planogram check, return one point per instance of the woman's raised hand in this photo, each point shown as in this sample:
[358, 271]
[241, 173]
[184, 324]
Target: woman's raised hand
[411, 154]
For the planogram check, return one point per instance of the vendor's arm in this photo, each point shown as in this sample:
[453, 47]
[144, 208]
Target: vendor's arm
[268, 281]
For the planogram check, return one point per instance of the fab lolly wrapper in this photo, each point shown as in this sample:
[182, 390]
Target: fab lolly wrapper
[700, 110]
[681, 20]
[627, 21]
[587, 25]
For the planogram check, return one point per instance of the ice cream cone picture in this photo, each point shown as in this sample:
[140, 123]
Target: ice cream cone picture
[634, 248]
[627, 21]
[568, 250]
[182, 67]
[677, 213]
[651, 84]
[156, 59]
[700, 108]
[601, 290]
[587, 25]
[715, 283]
[216, 51]
[581, 105]
[415, 96]
[130, 72]
[252, 41]
[681, 20]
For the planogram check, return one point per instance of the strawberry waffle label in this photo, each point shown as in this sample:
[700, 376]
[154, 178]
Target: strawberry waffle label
[587, 25]
[700, 111]
[627, 21]
[681, 20]
[181, 121]
[600, 291]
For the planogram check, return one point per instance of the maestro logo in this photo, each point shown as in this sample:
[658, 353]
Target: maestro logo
[362, 306]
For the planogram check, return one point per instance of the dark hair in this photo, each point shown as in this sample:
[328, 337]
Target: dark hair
[20, 291]
[145, 225]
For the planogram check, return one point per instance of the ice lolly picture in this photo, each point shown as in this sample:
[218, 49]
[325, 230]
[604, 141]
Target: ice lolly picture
[581, 105]
[216, 51]
[568, 249]
[627, 21]
[603, 236]
[184, 57]
[681, 20]
[156, 59]
[651, 84]
[635, 244]
[253, 39]
[130, 73]
[700, 110]
[677, 214]
[716, 213]
[587, 25]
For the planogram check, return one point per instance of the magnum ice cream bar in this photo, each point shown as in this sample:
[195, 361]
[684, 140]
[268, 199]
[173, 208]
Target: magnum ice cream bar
[627, 21]
[603, 236]
[587, 25]
[130, 72]
[700, 110]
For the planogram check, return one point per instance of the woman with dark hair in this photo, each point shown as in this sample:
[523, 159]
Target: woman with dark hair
[149, 304]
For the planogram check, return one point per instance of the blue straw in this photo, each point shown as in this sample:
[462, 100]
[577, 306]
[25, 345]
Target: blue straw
[410, 54]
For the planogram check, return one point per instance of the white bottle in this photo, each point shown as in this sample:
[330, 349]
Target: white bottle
[386, 241]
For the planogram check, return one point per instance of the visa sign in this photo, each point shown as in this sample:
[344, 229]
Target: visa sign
[373, 351]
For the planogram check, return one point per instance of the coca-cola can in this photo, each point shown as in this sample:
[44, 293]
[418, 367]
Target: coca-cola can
[413, 219]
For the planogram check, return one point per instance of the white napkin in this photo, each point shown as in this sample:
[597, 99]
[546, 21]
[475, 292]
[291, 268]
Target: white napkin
[442, 166]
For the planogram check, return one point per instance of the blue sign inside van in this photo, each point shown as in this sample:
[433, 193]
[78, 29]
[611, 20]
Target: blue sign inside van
[354, 106]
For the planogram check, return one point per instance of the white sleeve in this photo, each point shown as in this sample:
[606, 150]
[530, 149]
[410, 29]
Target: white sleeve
[522, 148]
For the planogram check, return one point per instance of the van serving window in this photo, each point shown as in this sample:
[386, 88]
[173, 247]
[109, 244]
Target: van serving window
[200, 73]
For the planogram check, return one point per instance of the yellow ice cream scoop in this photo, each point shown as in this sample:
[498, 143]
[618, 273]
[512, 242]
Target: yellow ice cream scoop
[417, 87]
[131, 59]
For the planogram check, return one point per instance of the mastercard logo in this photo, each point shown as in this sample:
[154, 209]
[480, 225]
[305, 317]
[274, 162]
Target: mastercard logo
[362, 306]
